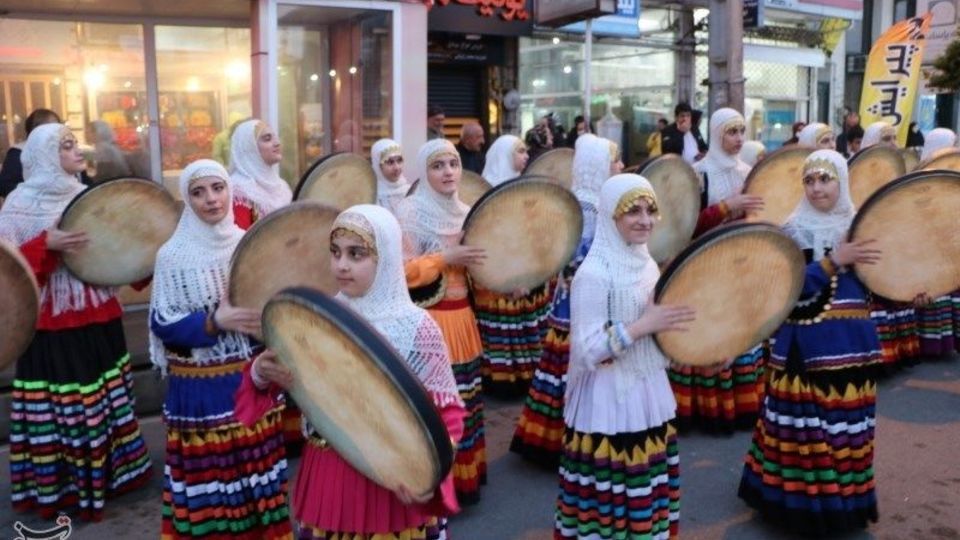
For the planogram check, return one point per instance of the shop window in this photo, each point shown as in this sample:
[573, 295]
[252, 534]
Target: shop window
[335, 68]
[91, 75]
[204, 90]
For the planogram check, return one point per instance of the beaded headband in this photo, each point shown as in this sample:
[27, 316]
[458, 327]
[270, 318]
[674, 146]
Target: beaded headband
[392, 150]
[825, 130]
[736, 123]
[821, 165]
[440, 153]
[629, 199]
[357, 224]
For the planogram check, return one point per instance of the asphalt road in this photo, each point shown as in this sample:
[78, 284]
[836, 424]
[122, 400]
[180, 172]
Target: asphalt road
[917, 467]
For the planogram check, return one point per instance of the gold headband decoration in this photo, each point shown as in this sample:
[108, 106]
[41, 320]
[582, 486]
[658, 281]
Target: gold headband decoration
[352, 222]
[439, 154]
[614, 152]
[629, 199]
[392, 150]
[204, 172]
[518, 145]
[736, 123]
[821, 165]
[825, 130]
[260, 128]
[65, 134]
[888, 131]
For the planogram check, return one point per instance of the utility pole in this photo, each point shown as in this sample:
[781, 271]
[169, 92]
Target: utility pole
[685, 74]
[726, 54]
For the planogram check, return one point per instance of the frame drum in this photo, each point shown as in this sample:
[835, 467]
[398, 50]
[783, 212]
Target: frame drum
[677, 187]
[472, 187]
[20, 305]
[871, 169]
[778, 179]
[340, 181]
[946, 158]
[556, 164]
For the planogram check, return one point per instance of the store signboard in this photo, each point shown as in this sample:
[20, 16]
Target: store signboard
[559, 12]
[943, 27]
[752, 13]
[841, 9]
[623, 23]
[485, 17]
[454, 49]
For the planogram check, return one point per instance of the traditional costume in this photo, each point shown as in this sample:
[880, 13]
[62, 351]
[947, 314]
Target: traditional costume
[539, 433]
[810, 465]
[619, 471]
[432, 222]
[221, 479]
[876, 132]
[332, 500]
[74, 438]
[815, 134]
[511, 329]
[727, 399]
[389, 192]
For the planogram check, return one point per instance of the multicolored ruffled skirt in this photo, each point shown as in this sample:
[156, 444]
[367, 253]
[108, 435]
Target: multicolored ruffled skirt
[222, 480]
[897, 328]
[74, 438]
[936, 326]
[621, 486]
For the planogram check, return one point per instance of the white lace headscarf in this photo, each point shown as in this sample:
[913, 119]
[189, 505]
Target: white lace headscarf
[36, 206]
[622, 276]
[592, 158]
[252, 178]
[389, 194]
[388, 307]
[875, 132]
[725, 172]
[752, 152]
[811, 134]
[816, 230]
[192, 269]
[499, 164]
[430, 220]
[937, 139]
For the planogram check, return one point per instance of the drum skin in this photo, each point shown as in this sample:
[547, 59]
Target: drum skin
[356, 391]
[290, 247]
[945, 158]
[556, 164]
[778, 178]
[742, 280]
[127, 220]
[911, 159]
[914, 223]
[871, 169]
[472, 187]
[340, 181]
[677, 187]
[530, 230]
[20, 304]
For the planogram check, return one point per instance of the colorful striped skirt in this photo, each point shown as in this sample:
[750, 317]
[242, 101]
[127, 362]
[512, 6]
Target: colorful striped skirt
[724, 401]
[435, 529]
[624, 486]
[459, 328]
[511, 333]
[539, 433]
[810, 465]
[222, 480]
[897, 328]
[74, 438]
[935, 326]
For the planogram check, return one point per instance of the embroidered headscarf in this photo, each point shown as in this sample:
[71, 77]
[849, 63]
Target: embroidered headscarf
[875, 132]
[430, 220]
[623, 276]
[254, 180]
[725, 172]
[815, 230]
[36, 205]
[499, 164]
[937, 139]
[192, 269]
[389, 194]
[811, 135]
[388, 307]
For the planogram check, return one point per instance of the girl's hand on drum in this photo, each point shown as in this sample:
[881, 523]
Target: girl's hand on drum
[237, 319]
[69, 242]
[406, 497]
[922, 300]
[857, 252]
[268, 368]
[461, 255]
[659, 318]
[742, 203]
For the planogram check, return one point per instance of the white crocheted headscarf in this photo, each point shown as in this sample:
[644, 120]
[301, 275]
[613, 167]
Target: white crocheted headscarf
[388, 193]
[387, 304]
[938, 139]
[752, 152]
[875, 132]
[591, 167]
[499, 164]
[726, 173]
[252, 178]
[629, 275]
[36, 205]
[431, 221]
[192, 269]
[815, 230]
[811, 134]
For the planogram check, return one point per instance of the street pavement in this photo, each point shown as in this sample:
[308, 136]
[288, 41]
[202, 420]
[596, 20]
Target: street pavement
[917, 468]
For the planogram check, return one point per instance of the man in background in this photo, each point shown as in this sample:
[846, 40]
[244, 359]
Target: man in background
[850, 120]
[679, 137]
[470, 147]
[435, 118]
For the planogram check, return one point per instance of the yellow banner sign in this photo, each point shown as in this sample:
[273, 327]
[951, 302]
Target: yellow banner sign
[892, 76]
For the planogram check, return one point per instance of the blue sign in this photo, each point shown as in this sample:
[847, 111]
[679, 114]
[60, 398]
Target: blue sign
[624, 24]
